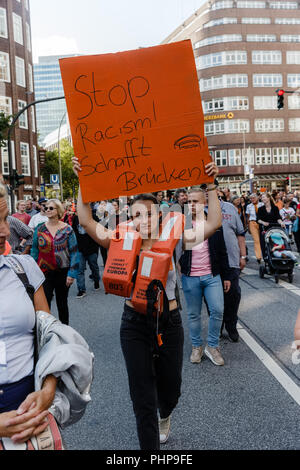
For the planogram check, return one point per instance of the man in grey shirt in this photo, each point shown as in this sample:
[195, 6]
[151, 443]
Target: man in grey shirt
[19, 232]
[234, 236]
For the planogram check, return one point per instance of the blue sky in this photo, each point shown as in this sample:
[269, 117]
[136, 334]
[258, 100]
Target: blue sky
[66, 26]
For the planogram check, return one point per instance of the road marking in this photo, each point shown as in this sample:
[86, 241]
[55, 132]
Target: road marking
[286, 285]
[287, 383]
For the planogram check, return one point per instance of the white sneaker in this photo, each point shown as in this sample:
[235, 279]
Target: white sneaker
[214, 355]
[164, 429]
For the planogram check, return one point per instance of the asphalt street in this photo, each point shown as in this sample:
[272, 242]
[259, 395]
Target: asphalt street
[242, 405]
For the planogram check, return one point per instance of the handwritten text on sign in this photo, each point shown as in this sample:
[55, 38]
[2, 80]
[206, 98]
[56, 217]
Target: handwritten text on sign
[136, 120]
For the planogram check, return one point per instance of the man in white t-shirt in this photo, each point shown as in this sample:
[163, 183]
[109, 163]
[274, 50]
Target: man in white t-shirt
[41, 217]
[251, 214]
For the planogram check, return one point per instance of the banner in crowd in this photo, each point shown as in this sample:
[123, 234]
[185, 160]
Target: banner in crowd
[136, 120]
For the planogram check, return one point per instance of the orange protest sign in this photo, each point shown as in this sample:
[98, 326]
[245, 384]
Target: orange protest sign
[136, 120]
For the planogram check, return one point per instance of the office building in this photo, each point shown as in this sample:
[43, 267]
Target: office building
[244, 51]
[48, 84]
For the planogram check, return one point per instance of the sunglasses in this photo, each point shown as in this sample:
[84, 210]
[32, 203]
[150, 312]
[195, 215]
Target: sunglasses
[50, 208]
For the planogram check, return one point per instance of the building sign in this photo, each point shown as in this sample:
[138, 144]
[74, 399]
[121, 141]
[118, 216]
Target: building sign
[136, 120]
[219, 116]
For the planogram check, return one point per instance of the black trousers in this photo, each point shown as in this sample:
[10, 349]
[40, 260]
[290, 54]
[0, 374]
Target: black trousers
[154, 382]
[232, 300]
[56, 282]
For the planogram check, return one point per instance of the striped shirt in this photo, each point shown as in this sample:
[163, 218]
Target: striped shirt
[18, 230]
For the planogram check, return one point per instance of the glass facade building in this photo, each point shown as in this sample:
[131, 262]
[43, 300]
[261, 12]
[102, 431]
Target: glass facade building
[48, 84]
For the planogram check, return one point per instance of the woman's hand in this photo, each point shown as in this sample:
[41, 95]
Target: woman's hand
[227, 285]
[30, 418]
[76, 165]
[20, 428]
[211, 169]
[69, 281]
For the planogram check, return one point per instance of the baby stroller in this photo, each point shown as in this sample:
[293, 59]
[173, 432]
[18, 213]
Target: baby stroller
[276, 266]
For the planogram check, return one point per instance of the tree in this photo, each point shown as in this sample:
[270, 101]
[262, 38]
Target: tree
[4, 126]
[70, 181]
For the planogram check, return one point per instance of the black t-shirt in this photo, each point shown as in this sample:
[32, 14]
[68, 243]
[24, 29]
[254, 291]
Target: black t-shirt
[272, 217]
[86, 245]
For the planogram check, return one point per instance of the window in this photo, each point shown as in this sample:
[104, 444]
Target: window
[290, 38]
[284, 5]
[261, 37]
[5, 160]
[256, 20]
[219, 21]
[265, 102]
[281, 156]
[230, 126]
[213, 105]
[248, 156]
[263, 156]
[267, 79]
[218, 39]
[224, 81]
[18, 28]
[294, 101]
[5, 105]
[23, 119]
[293, 57]
[32, 119]
[4, 67]
[221, 157]
[35, 162]
[20, 72]
[266, 57]
[269, 125]
[295, 155]
[221, 58]
[3, 23]
[293, 80]
[222, 4]
[25, 158]
[287, 20]
[294, 125]
[250, 4]
[30, 77]
[28, 37]
[236, 103]
[234, 157]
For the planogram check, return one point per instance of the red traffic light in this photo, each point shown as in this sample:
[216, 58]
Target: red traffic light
[280, 92]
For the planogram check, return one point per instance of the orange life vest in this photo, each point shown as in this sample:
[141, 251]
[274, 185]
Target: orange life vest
[7, 249]
[124, 261]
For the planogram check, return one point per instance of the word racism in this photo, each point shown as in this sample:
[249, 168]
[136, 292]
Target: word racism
[136, 120]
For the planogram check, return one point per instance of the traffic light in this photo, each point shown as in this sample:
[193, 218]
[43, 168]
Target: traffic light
[17, 180]
[287, 181]
[280, 99]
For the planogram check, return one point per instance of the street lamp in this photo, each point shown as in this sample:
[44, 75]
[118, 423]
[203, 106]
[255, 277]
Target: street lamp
[59, 157]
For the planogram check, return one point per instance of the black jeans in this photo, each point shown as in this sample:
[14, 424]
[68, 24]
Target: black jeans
[232, 300]
[56, 281]
[154, 382]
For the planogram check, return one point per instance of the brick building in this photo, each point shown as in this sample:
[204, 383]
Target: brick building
[244, 51]
[16, 91]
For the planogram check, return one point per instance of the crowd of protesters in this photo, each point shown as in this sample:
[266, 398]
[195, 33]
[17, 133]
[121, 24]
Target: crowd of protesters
[52, 233]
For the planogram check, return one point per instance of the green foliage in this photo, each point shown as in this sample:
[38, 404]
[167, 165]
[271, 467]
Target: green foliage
[70, 181]
[4, 126]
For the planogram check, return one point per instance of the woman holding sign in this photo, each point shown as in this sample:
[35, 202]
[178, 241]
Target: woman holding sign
[152, 337]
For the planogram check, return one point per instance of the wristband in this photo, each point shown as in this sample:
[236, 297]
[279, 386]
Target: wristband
[212, 189]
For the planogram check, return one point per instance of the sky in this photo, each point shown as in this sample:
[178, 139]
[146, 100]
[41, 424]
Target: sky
[101, 26]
